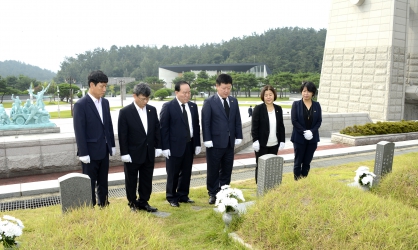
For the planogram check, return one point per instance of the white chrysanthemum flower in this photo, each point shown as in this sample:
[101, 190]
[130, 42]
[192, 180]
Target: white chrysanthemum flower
[221, 207]
[225, 187]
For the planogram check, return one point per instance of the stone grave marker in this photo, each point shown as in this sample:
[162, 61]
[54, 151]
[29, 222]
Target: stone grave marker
[384, 160]
[270, 172]
[75, 191]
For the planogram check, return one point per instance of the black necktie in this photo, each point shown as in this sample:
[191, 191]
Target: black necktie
[187, 122]
[226, 107]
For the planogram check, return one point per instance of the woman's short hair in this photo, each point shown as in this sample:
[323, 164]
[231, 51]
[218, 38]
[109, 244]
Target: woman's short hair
[310, 86]
[265, 88]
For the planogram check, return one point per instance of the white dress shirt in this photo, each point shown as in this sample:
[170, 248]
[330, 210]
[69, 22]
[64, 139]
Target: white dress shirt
[189, 115]
[143, 115]
[98, 104]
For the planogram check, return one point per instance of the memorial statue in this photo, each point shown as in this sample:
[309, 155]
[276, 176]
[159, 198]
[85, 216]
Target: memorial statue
[30, 115]
[4, 118]
[40, 97]
[16, 108]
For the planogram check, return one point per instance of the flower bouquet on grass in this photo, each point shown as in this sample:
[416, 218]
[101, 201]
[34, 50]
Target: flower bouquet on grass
[227, 199]
[364, 177]
[10, 228]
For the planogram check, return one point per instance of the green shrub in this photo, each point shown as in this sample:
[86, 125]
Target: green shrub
[381, 128]
[161, 94]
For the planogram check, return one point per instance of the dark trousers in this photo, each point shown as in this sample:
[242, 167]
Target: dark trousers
[98, 171]
[303, 157]
[179, 171]
[219, 168]
[263, 151]
[142, 172]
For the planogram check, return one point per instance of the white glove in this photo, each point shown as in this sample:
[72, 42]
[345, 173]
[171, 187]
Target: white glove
[238, 141]
[307, 137]
[166, 153]
[281, 145]
[197, 150]
[113, 151]
[308, 133]
[85, 159]
[256, 146]
[158, 152]
[208, 144]
[126, 158]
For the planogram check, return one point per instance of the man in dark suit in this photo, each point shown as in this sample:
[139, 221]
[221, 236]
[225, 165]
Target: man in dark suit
[139, 142]
[94, 135]
[222, 130]
[180, 136]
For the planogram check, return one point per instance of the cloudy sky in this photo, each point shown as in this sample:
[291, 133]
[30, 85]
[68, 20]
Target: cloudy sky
[43, 32]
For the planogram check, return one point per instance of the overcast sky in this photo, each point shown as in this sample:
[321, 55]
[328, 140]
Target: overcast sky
[43, 32]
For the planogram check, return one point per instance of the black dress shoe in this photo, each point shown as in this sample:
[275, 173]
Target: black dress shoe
[186, 201]
[174, 204]
[148, 208]
[212, 200]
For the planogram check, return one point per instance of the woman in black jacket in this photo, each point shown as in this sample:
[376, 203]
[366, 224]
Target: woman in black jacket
[306, 116]
[267, 129]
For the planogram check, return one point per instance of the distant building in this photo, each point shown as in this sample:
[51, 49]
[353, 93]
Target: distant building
[169, 72]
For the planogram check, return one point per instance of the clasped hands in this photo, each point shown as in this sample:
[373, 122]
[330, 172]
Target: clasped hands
[308, 135]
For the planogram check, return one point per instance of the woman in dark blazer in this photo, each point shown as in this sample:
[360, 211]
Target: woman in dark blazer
[267, 129]
[306, 116]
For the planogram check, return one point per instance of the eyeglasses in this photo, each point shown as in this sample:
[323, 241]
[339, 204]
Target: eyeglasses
[143, 99]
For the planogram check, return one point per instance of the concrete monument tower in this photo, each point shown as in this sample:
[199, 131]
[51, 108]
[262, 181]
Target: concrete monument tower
[370, 60]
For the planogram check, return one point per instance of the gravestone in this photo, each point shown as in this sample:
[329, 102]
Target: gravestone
[270, 172]
[75, 191]
[384, 160]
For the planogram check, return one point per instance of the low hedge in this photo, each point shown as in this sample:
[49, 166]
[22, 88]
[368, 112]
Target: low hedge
[381, 128]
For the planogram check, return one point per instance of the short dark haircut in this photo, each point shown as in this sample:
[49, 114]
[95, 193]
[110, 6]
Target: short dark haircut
[178, 84]
[142, 89]
[265, 88]
[310, 86]
[223, 78]
[96, 77]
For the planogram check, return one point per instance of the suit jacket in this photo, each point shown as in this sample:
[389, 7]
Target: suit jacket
[216, 126]
[93, 136]
[132, 137]
[174, 127]
[298, 122]
[260, 124]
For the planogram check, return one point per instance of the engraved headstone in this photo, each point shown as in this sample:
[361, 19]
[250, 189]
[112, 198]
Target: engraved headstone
[384, 159]
[270, 172]
[75, 191]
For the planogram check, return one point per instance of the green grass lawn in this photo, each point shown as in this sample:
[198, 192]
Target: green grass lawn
[319, 212]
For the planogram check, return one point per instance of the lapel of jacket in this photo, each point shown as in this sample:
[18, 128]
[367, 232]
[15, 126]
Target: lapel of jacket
[137, 118]
[219, 102]
[300, 113]
[178, 109]
[91, 104]
[193, 113]
[314, 112]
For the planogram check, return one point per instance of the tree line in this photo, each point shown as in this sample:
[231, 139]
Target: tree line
[292, 54]
[282, 50]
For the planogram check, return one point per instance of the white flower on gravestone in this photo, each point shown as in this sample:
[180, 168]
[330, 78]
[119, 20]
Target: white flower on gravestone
[227, 199]
[364, 177]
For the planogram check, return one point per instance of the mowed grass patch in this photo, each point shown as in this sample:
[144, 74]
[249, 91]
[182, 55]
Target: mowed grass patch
[322, 212]
[318, 212]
